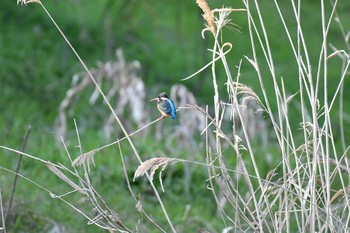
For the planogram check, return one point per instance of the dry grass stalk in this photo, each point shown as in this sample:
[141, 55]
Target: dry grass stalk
[138, 205]
[208, 15]
[88, 156]
[153, 164]
[2, 228]
[63, 177]
[339, 193]
[24, 143]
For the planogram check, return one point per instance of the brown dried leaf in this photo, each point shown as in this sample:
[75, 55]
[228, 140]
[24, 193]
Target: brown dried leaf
[63, 177]
[339, 193]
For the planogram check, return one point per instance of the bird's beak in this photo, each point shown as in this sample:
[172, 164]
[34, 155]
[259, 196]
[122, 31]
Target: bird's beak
[155, 99]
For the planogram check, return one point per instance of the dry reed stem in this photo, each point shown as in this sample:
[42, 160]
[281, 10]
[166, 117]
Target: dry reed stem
[138, 205]
[108, 219]
[229, 45]
[3, 227]
[89, 156]
[339, 193]
[13, 188]
[46, 190]
[63, 177]
[208, 15]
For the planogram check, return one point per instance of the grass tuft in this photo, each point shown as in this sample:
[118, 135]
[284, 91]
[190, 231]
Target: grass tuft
[304, 187]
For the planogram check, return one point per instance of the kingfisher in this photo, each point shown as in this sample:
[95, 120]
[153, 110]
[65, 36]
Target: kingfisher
[165, 105]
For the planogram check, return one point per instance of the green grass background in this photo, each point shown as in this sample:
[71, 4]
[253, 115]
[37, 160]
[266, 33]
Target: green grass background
[36, 68]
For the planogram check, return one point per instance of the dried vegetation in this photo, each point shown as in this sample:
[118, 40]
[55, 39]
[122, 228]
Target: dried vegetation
[308, 191]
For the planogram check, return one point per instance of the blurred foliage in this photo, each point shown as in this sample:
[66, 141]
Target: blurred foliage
[36, 69]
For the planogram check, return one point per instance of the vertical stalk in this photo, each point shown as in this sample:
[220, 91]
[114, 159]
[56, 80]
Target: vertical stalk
[111, 109]
[13, 188]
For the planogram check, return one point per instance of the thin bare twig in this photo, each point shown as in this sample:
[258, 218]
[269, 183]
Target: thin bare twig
[3, 226]
[90, 154]
[138, 202]
[13, 188]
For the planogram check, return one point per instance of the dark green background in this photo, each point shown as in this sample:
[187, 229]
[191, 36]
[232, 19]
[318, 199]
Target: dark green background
[36, 69]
